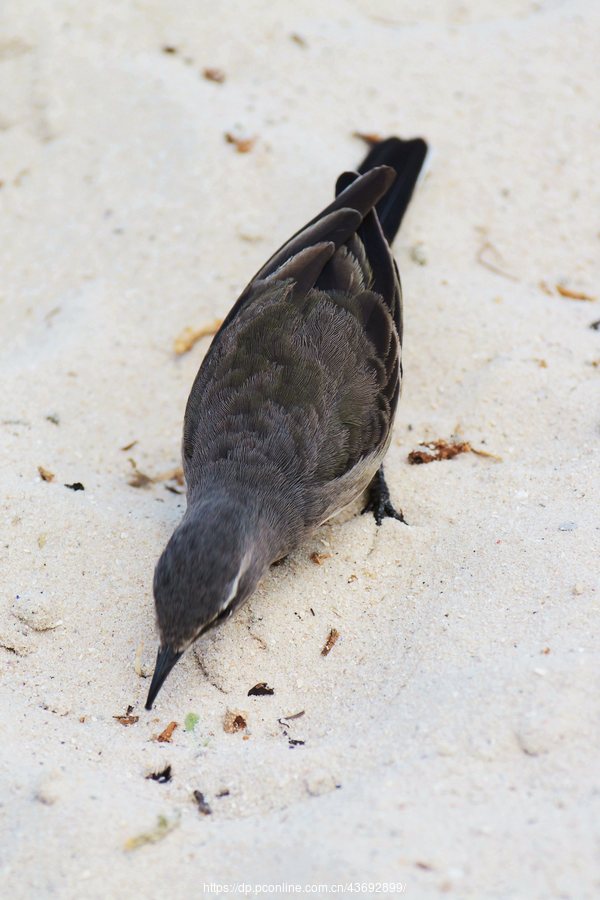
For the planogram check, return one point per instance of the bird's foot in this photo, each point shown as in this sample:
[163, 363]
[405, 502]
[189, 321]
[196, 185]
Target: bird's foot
[379, 502]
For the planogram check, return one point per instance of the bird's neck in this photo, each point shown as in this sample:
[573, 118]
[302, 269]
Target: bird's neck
[235, 512]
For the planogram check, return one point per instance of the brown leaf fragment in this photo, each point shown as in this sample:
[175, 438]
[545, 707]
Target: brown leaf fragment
[432, 451]
[319, 558]
[574, 295]
[45, 474]
[234, 720]
[171, 475]
[170, 50]
[437, 450]
[129, 446]
[141, 479]
[216, 75]
[298, 39]
[127, 719]
[330, 642]
[138, 479]
[201, 803]
[189, 337]
[261, 689]
[165, 736]
[370, 138]
[242, 145]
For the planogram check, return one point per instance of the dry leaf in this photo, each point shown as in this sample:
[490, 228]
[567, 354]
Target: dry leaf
[319, 558]
[45, 474]
[165, 736]
[574, 295]
[217, 75]
[138, 479]
[127, 719]
[189, 337]
[171, 475]
[234, 720]
[242, 145]
[330, 642]
[433, 451]
[261, 689]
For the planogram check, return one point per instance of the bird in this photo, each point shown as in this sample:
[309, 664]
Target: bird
[291, 412]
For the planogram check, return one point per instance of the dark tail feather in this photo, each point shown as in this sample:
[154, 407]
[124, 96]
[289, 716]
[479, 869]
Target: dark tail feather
[406, 158]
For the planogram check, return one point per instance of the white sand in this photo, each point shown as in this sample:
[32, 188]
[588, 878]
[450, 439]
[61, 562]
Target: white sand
[458, 712]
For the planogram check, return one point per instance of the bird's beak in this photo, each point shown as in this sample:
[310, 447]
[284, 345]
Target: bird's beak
[166, 659]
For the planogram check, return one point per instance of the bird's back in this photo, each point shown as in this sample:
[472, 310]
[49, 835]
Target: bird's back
[297, 393]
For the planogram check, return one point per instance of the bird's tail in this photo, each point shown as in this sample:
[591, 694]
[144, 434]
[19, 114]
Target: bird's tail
[406, 158]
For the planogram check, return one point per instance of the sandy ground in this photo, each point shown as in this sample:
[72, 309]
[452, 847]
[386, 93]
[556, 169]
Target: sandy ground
[451, 736]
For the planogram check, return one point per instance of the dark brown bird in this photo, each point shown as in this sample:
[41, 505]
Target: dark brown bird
[291, 413]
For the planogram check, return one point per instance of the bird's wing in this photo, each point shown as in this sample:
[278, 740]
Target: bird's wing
[336, 223]
[304, 373]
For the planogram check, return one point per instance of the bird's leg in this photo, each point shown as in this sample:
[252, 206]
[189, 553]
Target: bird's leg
[379, 502]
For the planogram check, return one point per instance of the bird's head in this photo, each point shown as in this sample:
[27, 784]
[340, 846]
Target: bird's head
[208, 568]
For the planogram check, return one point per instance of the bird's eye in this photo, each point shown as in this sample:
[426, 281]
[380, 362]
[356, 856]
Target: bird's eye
[223, 614]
